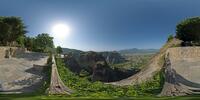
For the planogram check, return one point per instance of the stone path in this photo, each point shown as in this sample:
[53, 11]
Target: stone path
[20, 74]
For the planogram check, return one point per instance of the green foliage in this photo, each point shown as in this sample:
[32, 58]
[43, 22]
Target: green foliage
[43, 43]
[170, 37]
[29, 43]
[189, 30]
[84, 73]
[21, 41]
[59, 50]
[63, 97]
[49, 60]
[85, 88]
[11, 29]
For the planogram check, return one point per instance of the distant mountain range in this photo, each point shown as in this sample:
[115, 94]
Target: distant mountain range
[125, 51]
[138, 51]
[68, 50]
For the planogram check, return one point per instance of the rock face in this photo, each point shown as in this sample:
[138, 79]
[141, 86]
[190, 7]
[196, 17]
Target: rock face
[72, 64]
[96, 65]
[91, 62]
[101, 72]
[182, 68]
[113, 57]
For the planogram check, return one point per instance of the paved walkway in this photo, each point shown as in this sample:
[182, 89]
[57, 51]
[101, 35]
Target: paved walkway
[22, 73]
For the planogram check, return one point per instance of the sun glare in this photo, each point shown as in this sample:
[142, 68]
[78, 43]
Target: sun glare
[60, 31]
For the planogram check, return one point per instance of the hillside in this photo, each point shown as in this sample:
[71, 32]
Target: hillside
[149, 69]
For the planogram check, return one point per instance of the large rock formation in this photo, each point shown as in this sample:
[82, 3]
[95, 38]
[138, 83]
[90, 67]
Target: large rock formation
[72, 64]
[90, 62]
[113, 57]
[96, 65]
[101, 72]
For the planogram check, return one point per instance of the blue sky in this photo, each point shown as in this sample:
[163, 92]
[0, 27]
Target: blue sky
[104, 24]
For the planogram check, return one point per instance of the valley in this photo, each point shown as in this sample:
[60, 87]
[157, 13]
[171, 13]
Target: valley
[99, 49]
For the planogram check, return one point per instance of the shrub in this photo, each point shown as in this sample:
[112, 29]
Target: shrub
[189, 31]
[170, 37]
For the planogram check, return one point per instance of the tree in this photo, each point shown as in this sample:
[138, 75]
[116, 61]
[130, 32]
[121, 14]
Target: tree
[20, 40]
[59, 50]
[11, 28]
[43, 43]
[29, 43]
[4, 32]
[189, 30]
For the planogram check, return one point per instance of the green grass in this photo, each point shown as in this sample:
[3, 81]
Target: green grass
[53, 97]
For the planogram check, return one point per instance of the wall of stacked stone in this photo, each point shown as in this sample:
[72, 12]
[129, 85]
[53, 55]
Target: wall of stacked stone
[12, 50]
[180, 53]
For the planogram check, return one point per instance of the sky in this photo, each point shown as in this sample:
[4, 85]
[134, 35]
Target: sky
[104, 24]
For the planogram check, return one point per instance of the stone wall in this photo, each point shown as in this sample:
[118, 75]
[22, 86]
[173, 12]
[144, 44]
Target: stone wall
[181, 53]
[182, 68]
[12, 50]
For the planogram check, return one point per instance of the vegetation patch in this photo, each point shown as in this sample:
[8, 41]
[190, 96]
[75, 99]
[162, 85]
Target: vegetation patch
[85, 88]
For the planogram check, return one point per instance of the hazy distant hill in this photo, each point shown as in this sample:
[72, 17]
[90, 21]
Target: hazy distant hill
[125, 51]
[138, 51]
[67, 50]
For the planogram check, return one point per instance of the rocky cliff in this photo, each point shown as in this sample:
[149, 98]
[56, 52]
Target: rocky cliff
[91, 62]
[96, 65]
[113, 57]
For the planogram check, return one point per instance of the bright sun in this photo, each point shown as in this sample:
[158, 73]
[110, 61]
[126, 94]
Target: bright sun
[60, 31]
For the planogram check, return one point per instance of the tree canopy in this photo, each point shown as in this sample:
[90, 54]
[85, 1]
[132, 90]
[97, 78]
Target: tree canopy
[43, 43]
[189, 30]
[59, 50]
[11, 29]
